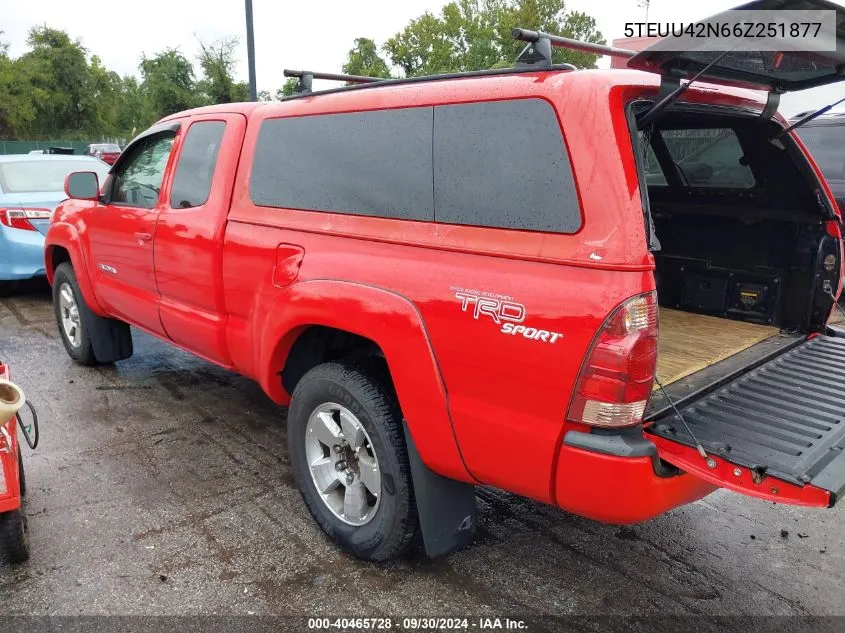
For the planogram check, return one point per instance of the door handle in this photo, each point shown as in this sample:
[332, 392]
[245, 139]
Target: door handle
[143, 237]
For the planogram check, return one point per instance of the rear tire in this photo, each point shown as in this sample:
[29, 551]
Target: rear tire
[14, 537]
[387, 524]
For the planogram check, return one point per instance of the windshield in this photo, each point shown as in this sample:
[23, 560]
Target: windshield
[44, 175]
[827, 146]
[109, 149]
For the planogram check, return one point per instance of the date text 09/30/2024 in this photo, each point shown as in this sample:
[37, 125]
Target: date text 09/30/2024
[417, 623]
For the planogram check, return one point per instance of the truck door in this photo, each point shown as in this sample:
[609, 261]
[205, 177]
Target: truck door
[189, 235]
[121, 230]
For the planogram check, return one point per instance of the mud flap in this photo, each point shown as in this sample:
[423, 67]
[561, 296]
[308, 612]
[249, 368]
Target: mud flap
[111, 339]
[446, 507]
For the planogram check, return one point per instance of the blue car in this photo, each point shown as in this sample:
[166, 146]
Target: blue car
[31, 186]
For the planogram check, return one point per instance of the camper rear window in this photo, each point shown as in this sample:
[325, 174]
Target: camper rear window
[702, 157]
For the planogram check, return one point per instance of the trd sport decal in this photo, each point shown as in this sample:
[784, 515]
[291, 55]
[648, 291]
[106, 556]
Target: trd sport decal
[504, 311]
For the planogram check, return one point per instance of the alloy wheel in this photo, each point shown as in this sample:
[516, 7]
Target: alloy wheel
[343, 463]
[69, 312]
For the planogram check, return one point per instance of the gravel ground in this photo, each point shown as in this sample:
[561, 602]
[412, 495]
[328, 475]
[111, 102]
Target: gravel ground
[162, 487]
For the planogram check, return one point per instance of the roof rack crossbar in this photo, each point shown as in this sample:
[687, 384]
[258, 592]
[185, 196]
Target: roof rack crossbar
[306, 76]
[577, 45]
[412, 80]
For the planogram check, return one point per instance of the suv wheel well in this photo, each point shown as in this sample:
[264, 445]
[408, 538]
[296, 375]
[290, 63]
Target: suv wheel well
[59, 256]
[319, 344]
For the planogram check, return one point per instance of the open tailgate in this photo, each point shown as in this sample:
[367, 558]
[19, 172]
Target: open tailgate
[776, 432]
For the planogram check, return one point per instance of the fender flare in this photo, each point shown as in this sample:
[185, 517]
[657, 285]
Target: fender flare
[396, 326]
[65, 236]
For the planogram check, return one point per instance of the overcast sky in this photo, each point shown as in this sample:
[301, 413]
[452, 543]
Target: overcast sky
[313, 35]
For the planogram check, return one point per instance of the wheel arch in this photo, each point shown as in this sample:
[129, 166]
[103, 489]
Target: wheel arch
[372, 321]
[317, 344]
[62, 246]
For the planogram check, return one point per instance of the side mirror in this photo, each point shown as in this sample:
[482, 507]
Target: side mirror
[82, 185]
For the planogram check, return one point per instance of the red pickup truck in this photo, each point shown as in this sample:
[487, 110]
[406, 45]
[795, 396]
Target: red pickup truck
[552, 281]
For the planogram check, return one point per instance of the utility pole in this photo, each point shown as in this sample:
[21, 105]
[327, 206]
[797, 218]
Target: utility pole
[250, 52]
[644, 4]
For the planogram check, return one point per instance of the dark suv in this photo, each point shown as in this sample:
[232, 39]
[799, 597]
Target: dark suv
[825, 138]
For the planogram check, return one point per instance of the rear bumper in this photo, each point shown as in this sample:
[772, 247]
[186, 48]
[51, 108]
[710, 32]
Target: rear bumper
[618, 479]
[21, 254]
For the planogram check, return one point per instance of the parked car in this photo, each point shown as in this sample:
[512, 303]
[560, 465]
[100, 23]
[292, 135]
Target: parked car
[824, 136]
[456, 280]
[30, 188]
[106, 152]
[53, 150]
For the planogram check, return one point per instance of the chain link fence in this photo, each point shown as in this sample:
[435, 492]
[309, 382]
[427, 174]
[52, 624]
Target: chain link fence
[25, 147]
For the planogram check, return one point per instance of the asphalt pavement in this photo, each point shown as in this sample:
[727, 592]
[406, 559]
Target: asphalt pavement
[162, 487]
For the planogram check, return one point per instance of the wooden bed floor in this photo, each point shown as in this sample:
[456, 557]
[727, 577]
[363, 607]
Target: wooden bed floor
[690, 342]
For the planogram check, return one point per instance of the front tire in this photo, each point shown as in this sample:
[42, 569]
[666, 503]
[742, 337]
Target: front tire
[348, 454]
[71, 316]
[88, 338]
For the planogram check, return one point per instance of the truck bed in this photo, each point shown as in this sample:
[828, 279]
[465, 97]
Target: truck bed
[691, 342]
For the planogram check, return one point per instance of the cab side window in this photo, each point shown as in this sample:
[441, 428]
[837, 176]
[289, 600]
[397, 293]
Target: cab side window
[138, 180]
[195, 169]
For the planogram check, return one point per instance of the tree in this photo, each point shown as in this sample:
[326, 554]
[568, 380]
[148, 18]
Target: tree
[364, 60]
[131, 109]
[100, 100]
[55, 90]
[56, 71]
[476, 34]
[17, 106]
[552, 17]
[288, 88]
[218, 61]
[168, 84]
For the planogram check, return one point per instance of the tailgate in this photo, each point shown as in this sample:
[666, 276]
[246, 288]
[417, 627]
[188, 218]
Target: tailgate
[776, 432]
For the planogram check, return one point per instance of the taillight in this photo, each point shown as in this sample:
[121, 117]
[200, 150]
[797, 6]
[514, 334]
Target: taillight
[618, 373]
[20, 218]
